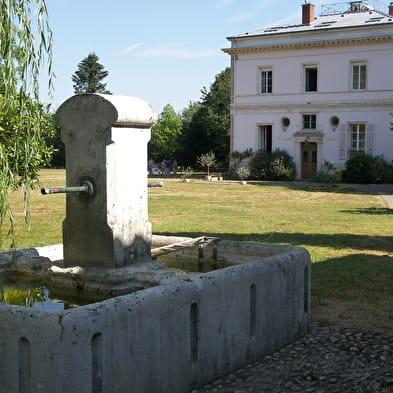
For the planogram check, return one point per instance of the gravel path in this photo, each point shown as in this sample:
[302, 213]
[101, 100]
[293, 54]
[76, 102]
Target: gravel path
[383, 190]
[324, 361]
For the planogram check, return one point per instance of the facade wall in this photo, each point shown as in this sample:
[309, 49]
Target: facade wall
[334, 97]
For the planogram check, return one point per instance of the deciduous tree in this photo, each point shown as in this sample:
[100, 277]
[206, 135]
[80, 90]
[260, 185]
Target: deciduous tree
[207, 160]
[209, 127]
[165, 134]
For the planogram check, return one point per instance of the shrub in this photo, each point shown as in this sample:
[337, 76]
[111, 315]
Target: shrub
[358, 169]
[242, 155]
[276, 165]
[187, 172]
[231, 173]
[382, 170]
[328, 174]
[243, 173]
[363, 168]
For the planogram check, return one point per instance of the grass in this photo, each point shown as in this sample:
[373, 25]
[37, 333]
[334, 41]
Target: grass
[348, 234]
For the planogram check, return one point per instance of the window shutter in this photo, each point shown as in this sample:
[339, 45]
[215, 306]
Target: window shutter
[370, 139]
[343, 139]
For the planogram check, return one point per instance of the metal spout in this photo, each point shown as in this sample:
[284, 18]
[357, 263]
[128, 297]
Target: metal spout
[86, 187]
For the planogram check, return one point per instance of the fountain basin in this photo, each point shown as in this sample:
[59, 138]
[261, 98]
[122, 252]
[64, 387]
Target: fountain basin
[181, 332]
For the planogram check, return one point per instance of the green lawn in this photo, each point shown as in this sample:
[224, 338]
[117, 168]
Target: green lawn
[348, 234]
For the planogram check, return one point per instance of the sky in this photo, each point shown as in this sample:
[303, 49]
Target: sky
[163, 52]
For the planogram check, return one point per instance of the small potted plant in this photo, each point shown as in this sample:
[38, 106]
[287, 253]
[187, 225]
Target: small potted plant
[243, 174]
[207, 160]
[186, 174]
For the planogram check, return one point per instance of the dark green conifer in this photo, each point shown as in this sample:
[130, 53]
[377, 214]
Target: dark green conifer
[87, 78]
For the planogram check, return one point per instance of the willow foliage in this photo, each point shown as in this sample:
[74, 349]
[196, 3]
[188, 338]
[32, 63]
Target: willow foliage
[25, 48]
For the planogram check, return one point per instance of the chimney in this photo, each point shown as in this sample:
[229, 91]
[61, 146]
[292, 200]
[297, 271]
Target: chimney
[307, 13]
[391, 8]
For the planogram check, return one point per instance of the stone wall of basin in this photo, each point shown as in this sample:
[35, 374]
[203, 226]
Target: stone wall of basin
[165, 339]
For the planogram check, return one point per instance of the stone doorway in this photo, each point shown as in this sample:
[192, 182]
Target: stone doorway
[309, 160]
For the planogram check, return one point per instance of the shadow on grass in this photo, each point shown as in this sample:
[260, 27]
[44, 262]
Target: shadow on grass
[357, 242]
[374, 211]
[374, 189]
[353, 273]
[354, 291]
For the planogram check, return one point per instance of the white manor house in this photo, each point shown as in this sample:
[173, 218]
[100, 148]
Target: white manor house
[320, 89]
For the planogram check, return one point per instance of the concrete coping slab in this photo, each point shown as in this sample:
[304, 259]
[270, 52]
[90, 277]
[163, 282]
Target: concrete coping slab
[106, 110]
[47, 262]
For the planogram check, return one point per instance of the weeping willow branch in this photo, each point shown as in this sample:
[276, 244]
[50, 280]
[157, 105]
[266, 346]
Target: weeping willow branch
[25, 48]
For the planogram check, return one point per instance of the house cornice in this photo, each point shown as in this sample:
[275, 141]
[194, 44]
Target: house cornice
[308, 44]
[307, 106]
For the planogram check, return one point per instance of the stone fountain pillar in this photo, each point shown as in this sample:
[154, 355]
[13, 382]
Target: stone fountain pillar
[105, 138]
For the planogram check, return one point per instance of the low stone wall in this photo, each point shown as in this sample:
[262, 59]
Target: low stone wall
[165, 339]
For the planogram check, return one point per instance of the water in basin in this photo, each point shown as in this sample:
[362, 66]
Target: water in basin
[193, 265]
[29, 291]
[38, 293]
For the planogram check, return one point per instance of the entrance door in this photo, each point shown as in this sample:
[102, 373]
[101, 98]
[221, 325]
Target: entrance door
[265, 138]
[309, 160]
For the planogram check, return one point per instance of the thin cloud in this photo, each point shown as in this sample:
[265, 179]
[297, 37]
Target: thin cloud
[132, 47]
[178, 51]
[241, 17]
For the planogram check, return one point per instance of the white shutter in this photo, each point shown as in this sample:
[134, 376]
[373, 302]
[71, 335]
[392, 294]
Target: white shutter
[370, 139]
[343, 141]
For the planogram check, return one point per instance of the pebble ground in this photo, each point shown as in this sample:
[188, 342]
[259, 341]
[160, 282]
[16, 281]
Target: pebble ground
[324, 361]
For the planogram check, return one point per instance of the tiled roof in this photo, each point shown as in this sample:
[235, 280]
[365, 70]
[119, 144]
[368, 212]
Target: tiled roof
[344, 20]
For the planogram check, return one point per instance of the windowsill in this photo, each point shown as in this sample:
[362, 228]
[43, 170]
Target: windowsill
[352, 153]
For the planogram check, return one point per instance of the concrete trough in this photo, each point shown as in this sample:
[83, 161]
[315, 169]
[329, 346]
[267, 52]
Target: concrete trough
[182, 333]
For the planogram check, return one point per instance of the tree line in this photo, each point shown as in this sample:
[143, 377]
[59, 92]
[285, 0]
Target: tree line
[201, 127]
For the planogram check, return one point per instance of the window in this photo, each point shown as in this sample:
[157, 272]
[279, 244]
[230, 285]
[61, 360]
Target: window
[358, 137]
[311, 78]
[309, 122]
[334, 121]
[359, 76]
[285, 122]
[265, 138]
[266, 81]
